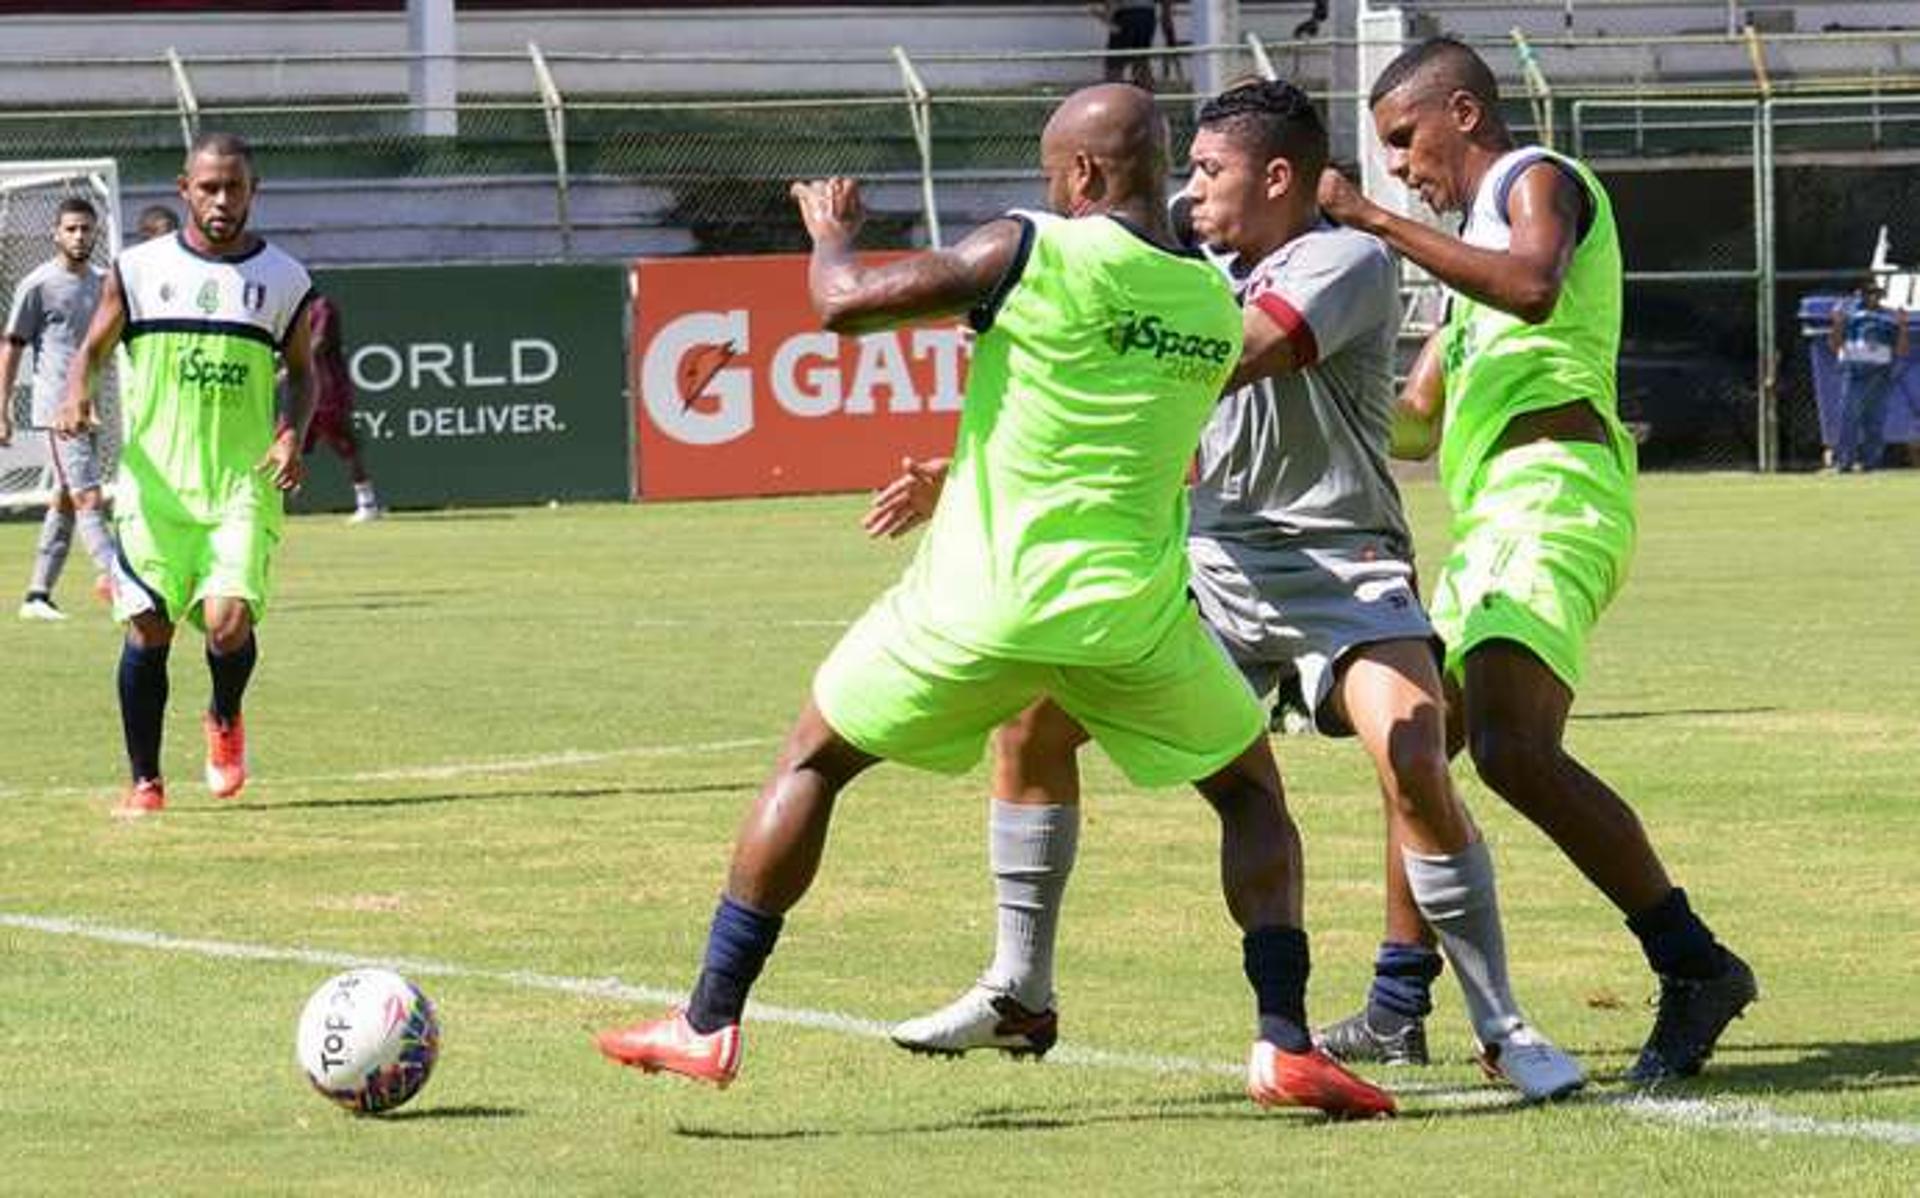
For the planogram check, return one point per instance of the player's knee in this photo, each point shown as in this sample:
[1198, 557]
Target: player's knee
[229, 627]
[148, 631]
[1508, 760]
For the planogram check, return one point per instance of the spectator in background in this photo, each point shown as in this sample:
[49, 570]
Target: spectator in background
[155, 220]
[1868, 338]
[1130, 24]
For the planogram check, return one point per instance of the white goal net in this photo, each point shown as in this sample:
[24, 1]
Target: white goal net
[30, 195]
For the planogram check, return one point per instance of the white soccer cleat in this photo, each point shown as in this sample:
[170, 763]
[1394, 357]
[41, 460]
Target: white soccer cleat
[981, 1018]
[366, 515]
[1532, 1064]
[38, 608]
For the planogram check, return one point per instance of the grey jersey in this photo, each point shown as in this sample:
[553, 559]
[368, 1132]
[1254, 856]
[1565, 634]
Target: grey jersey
[52, 308]
[1303, 458]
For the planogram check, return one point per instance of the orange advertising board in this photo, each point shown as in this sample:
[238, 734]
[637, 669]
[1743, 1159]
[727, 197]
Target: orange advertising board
[738, 391]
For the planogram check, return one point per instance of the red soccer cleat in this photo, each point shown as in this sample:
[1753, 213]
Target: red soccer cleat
[226, 756]
[142, 798]
[1312, 1079]
[670, 1043]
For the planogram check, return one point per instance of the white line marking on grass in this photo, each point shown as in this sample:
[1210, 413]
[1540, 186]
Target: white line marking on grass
[1722, 1115]
[457, 769]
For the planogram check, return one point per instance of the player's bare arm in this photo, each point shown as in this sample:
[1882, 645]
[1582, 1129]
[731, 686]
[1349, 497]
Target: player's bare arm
[9, 369]
[852, 298]
[76, 411]
[1416, 418]
[1543, 210]
[1266, 352]
[908, 501]
[283, 461]
[1836, 328]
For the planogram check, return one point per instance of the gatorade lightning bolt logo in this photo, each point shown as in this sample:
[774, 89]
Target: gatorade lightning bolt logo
[698, 367]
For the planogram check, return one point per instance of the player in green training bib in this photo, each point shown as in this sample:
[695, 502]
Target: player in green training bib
[1520, 380]
[1055, 567]
[207, 450]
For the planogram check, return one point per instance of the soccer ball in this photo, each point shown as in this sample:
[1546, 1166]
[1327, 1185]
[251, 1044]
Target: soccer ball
[368, 1039]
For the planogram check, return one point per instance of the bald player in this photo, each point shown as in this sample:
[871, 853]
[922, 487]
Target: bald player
[1055, 567]
[1517, 389]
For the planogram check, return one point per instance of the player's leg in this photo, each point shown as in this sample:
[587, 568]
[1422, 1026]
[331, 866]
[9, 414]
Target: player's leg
[1516, 719]
[886, 691]
[1186, 712]
[151, 582]
[50, 553]
[340, 435]
[1389, 693]
[1846, 447]
[776, 855]
[79, 458]
[233, 597]
[232, 652]
[1032, 837]
[1542, 550]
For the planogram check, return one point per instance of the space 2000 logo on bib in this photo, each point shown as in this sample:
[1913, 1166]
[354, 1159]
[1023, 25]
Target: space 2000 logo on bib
[738, 391]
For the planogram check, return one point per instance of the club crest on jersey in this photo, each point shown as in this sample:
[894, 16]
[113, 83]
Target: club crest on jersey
[208, 300]
[254, 296]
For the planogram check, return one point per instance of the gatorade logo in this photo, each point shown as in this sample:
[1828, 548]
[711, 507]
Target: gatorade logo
[1192, 354]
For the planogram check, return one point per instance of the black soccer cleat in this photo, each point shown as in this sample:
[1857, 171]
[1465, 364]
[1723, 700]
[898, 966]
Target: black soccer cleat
[1354, 1041]
[1693, 1013]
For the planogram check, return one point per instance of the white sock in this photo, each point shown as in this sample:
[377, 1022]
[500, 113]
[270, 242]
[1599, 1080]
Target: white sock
[363, 496]
[1457, 895]
[1031, 850]
[56, 538]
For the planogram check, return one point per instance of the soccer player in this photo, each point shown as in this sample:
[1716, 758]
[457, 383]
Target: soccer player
[1517, 388]
[333, 405]
[1054, 568]
[208, 450]
[1303, 566]
[51, 309]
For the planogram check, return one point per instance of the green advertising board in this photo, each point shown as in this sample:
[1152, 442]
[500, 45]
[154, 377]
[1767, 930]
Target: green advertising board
[481, 385]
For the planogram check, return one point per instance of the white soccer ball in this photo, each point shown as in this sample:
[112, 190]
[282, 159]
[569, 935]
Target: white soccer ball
[368, 1040]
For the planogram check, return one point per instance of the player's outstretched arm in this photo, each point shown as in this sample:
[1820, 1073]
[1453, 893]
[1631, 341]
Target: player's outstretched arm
[283, 462]
[908, 501]
[851, 298]
[76, 411]
[1543, 211]
[1416, 418]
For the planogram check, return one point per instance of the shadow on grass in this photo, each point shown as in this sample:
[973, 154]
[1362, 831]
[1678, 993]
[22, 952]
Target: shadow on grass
[1672, 713]
[267, 806]
[1814, 1068]
[1226, 1106]
[454, 1112]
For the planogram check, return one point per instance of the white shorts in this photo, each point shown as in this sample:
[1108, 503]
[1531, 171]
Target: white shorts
[76, 461]
[1297, 611]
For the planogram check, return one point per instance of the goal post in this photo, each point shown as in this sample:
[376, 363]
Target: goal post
[30, 196]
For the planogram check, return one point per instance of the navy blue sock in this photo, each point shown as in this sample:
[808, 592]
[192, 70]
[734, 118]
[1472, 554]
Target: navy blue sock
[1677, 944]
[1277, 964]
[143, 706]
[230, 673]
[738, 944]
[1402, 985]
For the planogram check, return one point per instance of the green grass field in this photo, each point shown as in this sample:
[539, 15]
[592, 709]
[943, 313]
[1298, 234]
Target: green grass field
[514, 745]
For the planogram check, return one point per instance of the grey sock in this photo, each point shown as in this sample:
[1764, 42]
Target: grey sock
[56, 538]
[1032, 851]
[1457, 895]
[97, 537]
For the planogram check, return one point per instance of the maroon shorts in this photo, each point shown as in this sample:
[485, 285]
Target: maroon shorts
[333, 426]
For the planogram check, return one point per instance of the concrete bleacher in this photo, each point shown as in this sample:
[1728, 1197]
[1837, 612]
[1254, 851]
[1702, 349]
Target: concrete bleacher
[323, 98]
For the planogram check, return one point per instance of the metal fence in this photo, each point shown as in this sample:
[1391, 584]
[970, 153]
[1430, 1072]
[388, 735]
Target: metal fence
[1797, 146]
